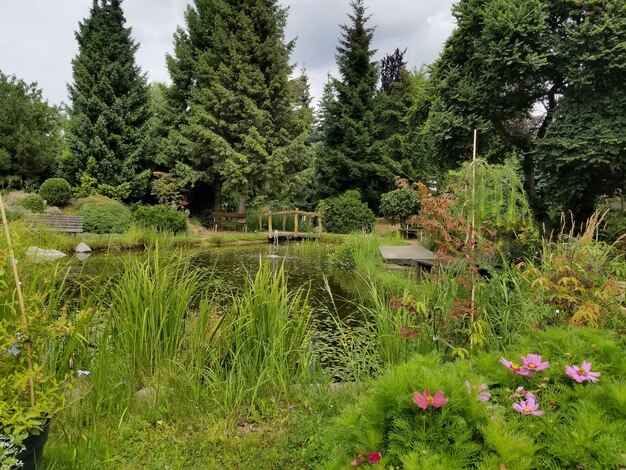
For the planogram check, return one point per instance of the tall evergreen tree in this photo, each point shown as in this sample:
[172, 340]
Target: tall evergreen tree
[240, 112]
[108, 130]
[348, 160]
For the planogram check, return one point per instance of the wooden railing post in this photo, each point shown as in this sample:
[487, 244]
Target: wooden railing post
[269, 223]
[319, 226]
[295, 223]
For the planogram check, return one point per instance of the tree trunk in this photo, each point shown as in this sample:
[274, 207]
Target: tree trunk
[217, 195]
[530, 186]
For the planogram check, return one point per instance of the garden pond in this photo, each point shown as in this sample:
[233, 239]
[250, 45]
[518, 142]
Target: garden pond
[306, 265]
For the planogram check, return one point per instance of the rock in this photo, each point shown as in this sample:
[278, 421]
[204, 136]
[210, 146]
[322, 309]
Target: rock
[82, 256]
[83, 248]
[41, 254]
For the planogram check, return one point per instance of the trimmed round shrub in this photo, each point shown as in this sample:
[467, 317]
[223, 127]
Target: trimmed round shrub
[161, 217]
[33, 203]
[103, 215]
[397, 206]
[346, 213]
[56, 191]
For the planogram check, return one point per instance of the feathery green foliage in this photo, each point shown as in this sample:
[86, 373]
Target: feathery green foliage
[580, 425]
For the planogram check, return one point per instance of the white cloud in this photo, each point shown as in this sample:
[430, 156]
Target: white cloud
[37, 36]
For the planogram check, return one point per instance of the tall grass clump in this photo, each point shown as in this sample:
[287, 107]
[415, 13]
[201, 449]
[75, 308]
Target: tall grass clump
[149, 304]
[262, 340]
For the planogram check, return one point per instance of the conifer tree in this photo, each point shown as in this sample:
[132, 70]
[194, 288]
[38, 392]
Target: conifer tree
[401, 110]
[348, 160]
[108, 130]
[240, 111]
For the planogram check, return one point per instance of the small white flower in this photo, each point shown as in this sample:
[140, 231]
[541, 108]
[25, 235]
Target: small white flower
[13, 351]
[82, 373]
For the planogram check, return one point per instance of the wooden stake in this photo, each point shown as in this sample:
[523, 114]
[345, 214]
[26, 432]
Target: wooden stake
[473, 228]
[20, 297]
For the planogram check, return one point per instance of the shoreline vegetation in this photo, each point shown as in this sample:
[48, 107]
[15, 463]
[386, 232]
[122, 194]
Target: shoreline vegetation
[249, 377]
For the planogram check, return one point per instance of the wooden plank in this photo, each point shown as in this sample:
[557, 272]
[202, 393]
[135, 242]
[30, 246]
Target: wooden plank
[308, 214]
[57, 223]
[411, 254]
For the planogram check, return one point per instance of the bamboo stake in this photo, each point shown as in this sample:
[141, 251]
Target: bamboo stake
[473, 228]
[20, 297]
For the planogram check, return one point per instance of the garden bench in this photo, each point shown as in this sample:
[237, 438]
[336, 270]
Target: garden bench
[57, 223]
[240, 220]
[409, 230]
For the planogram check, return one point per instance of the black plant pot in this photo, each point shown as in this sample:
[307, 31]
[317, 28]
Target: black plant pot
[32, 453]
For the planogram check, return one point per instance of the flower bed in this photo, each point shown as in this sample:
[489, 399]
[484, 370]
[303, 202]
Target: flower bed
[562, 408]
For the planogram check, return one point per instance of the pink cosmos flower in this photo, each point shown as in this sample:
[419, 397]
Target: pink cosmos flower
[533, 362]
[582, 373]
[375, 457]
[426, 400]
[528, 406]
[521, 370]
[483, 391]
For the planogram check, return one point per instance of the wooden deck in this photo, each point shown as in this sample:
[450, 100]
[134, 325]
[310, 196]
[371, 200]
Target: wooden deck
[411, 255]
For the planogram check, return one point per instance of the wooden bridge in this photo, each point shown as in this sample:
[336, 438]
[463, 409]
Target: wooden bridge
[275, 235]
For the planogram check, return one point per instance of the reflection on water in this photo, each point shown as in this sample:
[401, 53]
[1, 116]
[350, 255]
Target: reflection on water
[304, 266]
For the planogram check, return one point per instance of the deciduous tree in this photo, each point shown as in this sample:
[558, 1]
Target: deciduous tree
[30, 133]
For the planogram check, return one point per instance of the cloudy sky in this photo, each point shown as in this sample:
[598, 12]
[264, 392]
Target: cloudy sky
[37, 36]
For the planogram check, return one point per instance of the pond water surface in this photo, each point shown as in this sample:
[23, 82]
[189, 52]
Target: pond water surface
[305, 265]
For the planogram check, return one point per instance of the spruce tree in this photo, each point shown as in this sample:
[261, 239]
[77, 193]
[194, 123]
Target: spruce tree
[348, 160]
[108, 132]
[240, 111]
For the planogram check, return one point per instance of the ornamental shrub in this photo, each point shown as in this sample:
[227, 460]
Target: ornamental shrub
[33, 203]
[56, 191]
[346, 213]
[397, 206]
[103, 215]
[161, 217]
